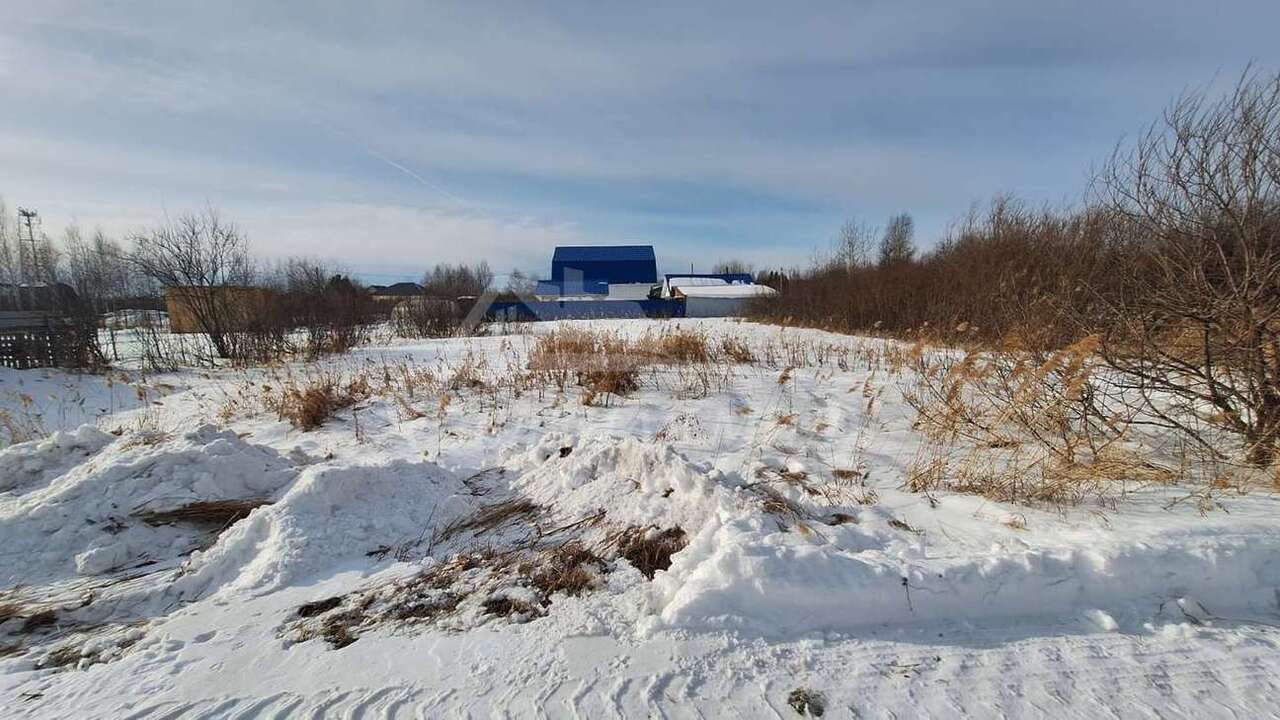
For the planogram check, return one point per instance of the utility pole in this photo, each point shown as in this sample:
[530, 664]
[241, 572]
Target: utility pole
[28, 253]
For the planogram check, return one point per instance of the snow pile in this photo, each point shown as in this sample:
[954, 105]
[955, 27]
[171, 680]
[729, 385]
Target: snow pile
[770, 555]
[85, 519]
[330, 516]
[636, 483]
[31, 463]
[745, 575]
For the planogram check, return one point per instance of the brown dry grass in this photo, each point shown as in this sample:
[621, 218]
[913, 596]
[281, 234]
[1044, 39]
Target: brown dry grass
[319, 607]
[210, 513]
[39, 620]
[491, 516]
[504, 606]
[309, 405]
[680, 345]
[1018, 427]
[570, 568]
[650, 549]
[806, 702]
[736, 350]
[599, 385]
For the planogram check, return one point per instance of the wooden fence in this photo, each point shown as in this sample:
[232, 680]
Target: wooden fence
[30, 339]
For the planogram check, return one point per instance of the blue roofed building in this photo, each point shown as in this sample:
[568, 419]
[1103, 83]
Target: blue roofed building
[614, 271]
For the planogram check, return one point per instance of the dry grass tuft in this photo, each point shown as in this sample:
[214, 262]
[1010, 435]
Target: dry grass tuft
[681, 345]
[606, 383]
[737, 351]
[63, 656]
[39, 620]
[505, 606]
[207, 513]
[319, 607]
[650, 550]
[569, 568]
[807, 702]
[775, 503]
[426, 608]
[1021, 427]
[310, 405]
[491, 516]
[337, 629]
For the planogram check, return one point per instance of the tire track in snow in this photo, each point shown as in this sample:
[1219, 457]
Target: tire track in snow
[1226, 674]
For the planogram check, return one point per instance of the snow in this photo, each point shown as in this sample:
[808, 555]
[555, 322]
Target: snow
[884, 601]
[328, 516]
[727, 291]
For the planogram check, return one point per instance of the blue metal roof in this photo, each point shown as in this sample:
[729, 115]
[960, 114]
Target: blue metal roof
[622, 264]
[596, 253]
[731, 278]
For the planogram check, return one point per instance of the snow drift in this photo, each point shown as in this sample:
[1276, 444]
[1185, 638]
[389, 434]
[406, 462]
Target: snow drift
[86, 489]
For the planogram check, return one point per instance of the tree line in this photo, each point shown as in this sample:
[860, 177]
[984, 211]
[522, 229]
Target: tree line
[1170, 264]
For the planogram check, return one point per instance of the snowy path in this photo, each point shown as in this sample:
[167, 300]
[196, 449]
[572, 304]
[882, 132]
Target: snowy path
[1182, 672]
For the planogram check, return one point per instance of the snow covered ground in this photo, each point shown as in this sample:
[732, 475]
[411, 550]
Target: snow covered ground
[464, 541]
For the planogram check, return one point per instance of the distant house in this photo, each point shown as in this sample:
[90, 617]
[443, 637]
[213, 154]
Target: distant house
[620, 272]
[396, 292]
[36, 305]
[40, 298]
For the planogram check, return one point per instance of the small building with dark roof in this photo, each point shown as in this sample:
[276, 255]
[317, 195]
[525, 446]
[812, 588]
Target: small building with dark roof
[395, 292]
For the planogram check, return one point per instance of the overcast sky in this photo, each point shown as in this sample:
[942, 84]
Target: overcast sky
[390, 136]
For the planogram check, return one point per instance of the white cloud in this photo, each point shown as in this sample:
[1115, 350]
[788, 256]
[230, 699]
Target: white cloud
[393, 239]
[566, 113]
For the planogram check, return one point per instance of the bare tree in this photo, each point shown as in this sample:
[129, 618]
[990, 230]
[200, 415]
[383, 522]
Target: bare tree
[854, 244]
[454, 281]
[897, 245]
[195, 255]
[8, 253]
[521, 283]
[333, 310]
[1197, 317]
[732, 266]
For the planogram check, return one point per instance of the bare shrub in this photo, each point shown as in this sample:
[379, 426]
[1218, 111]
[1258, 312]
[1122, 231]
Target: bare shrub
[1173, 266]
[1003, 271]
[456, 281]
[428, 317]
[196, 253]
[1197, 316]
[332, 310]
